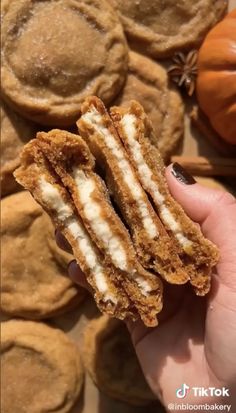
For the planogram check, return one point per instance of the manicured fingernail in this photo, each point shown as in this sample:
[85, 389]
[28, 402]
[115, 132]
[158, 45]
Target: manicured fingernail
[181, 174]
[71, 265]
[76, 275]
[72, 270]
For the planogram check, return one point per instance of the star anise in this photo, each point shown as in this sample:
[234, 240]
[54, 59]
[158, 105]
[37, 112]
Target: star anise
[184, 70]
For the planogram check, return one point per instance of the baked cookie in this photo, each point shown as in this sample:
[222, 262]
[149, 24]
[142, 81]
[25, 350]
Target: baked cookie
[159, 28]
[57, 52]
[34, 283]
[15, 132]
[79, 206]
[154, 247]
[122, 267]
[110, 360]
[197, 253]
[147, 82]
[41, 369]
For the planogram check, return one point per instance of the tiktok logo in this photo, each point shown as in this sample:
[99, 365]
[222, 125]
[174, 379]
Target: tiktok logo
[181, 393]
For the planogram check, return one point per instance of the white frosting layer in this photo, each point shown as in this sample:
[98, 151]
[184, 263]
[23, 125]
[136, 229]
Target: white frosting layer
[53, 198]
[93, 118]
[90, 256]
[145, 176]
[93, 212]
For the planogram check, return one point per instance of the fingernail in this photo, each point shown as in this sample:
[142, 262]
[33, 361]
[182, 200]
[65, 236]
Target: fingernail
[71, 265]
[76, 274]
[71, 269]
[182, 175]
[74, 270]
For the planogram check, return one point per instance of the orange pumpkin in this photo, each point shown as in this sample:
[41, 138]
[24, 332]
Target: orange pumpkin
[216, 80]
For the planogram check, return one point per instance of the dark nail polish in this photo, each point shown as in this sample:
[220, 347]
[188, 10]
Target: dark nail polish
[72, 262]
[182, 175]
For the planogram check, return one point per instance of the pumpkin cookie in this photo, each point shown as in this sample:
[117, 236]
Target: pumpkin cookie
[34, 270]
[110, 360]
[147, 82]
[122, 267]
[79, 206]
[197, 253]
[57, 52]
[41, 369]
[159, 28]
[15, 132]
[154, 248]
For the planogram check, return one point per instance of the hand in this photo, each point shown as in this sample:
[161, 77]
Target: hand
[195, 341]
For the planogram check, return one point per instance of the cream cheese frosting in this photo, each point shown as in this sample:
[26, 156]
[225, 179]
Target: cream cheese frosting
[53, 198]
[94, 119]
[146, 178]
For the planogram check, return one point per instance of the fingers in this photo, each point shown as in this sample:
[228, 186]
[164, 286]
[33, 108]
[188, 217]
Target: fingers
[215, 211]
[77, 275]
[62, 242]
[172, 299]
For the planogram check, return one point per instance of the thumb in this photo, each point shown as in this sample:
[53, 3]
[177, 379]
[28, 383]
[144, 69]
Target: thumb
[214, 210]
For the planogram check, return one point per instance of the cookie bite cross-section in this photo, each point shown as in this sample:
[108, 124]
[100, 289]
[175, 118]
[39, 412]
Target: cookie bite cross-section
[72, 160]
[106, 192]
[154, 247]
[198, 254]
[52, 167]
[36, 176]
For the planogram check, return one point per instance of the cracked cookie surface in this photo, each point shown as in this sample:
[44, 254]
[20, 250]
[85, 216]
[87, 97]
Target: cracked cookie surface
[76, 48]
[159, 28]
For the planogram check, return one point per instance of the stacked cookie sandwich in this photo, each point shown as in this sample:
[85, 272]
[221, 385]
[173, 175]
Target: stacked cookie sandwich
[124, 247]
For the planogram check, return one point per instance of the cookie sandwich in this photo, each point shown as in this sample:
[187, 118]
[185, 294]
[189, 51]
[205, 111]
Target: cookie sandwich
[34, 282]
[99, 194]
